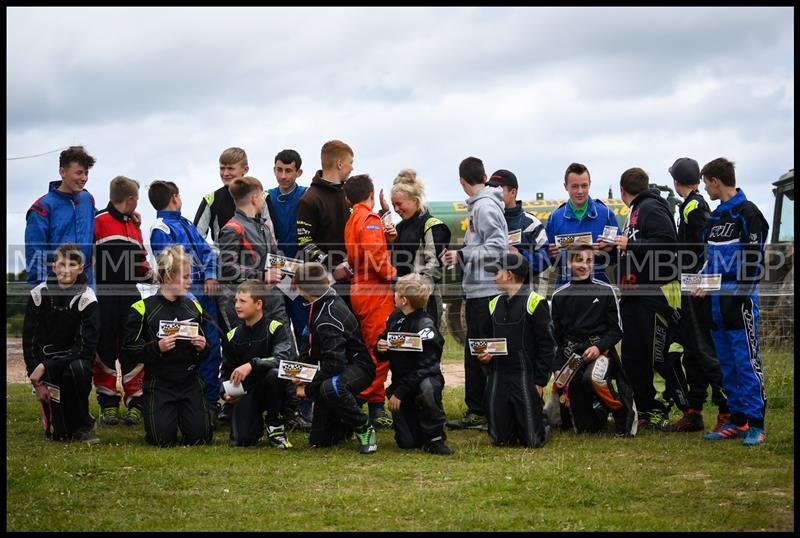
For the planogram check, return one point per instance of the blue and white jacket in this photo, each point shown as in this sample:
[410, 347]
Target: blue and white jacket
[735, 233]
[171, 228]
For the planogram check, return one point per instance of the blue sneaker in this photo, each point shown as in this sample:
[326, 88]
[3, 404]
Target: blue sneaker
[755, 436]
[729, 430]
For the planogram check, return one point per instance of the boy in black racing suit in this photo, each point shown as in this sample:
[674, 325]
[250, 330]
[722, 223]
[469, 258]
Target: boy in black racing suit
[516, 379]
[345, 365]
[415, 395]
[251, 354]
[586, 322]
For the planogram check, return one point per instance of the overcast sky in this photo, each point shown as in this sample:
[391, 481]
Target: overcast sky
[158, 93]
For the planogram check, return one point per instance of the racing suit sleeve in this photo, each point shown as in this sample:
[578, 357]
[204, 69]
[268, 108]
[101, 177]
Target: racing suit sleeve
[534, 246]
[332, 355]
[613, 322]
[230, 255]
[306, 228]
[207, 257]
[37, 239]
[373, 243]
[280, 349]
[545, 345]
[226, 367]
[30, 326]
[202, 219]
[559, 331]
[754, 234]
[159, 241]
[139, 340]
[550, 231]
[428, 362]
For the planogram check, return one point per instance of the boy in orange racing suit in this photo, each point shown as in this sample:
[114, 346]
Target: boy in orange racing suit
[371, 292]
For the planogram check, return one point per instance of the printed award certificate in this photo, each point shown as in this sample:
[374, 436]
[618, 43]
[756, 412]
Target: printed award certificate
[297, 370]
[493, 346]
[184, 329]
[567, 240]
[404, 341]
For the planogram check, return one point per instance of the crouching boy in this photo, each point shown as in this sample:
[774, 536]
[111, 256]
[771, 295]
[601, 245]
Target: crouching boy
[586, 322]
[345, 366]
[59, 340]
[517, 378]
[250, 360]
[415, 395]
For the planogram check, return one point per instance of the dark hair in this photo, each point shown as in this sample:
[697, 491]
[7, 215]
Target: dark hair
[722, 169]
[577, 248]
[634, 181]
[358, 188]
[576, 168]
[242, 187]
[75, 154]
[70, 252]
[289, 156]
[160, 193]
[472, 171]
[255, 288]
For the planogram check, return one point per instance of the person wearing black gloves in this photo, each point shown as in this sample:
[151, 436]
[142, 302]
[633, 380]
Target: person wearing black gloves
[517, 378]
[250, 359]
[415, 395]
[586, 322]
[174, 390]
[59, 339]
[345, 366]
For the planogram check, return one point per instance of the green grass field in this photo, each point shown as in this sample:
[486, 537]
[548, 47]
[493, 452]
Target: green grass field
[656, 481]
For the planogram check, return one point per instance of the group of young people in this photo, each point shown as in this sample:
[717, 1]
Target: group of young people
[315, 275]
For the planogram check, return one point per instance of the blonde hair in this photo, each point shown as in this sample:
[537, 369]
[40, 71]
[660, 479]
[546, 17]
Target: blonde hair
[332, 151]
[414, 287]
[121, 187]
[406, 184]
[233, 156]
[171, 260]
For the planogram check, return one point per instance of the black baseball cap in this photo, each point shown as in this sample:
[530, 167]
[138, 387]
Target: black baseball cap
[685, 171]
[503, 177]
[512, 261]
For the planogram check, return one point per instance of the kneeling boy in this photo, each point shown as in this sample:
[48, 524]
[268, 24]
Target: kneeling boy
[59, 340]
[250, 358]
[415, 395]
[586, 321]
[345, 366]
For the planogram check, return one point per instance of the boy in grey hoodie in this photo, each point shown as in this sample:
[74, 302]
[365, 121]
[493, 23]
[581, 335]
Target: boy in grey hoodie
[486, 240]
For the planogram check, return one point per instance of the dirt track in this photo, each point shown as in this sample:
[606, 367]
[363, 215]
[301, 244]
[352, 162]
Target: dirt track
[15, 366]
